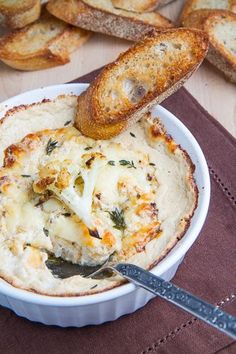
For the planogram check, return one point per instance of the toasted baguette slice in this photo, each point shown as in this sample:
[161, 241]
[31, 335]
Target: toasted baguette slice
[197, 18]
[221, 29]
[46, 43]
[17, 14]
[140, 78]
[139, 5]
[192, 5]
[220, 25]
[101, 16]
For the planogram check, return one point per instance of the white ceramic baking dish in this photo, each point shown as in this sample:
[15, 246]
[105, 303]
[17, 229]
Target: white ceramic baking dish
[109, 305]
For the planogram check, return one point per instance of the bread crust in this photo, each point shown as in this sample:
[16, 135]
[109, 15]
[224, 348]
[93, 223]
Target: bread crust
[96, 123]
[20, 15]
[221, 63]
[85, 16]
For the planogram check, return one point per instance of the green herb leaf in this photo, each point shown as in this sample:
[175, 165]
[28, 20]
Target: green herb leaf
[151, 164]
[46, 232]
[25, 176]
[133, 135]
[67, 123]
[93, 287]
[51, 145]
[111, 163]
[129, 164]
[67, 215]
[88, 148]
[117, 216]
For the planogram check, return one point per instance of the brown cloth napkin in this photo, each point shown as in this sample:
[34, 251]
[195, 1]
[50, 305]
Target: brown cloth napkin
[208, 270]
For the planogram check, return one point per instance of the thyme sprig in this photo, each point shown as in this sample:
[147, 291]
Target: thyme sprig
[51, 145]
[117, 216]
[129, 164]
[111, 163]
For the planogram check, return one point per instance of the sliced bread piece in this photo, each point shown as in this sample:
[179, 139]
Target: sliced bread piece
[221, 29]
[140, 78]
[139, 5]
[46, 43]
[192, 5]
[220, 25]
[101, 16]
[197, 18]
[17, 14]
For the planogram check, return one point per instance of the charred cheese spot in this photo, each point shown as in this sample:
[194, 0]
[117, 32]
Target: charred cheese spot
[41, 185]
[12, 154]
[108, 239]
[141, 238]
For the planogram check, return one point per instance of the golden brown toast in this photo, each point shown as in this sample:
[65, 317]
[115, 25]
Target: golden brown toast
[17, 14]
[139, 5]
[196, 18]
[46, 43]
[192, 5]
[221, 29]
[101, 16]
[141, 77]
[220, 26]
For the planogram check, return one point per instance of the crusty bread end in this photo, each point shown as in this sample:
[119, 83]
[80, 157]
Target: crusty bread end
[140, 78]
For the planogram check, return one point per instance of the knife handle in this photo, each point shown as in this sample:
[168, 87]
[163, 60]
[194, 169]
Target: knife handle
[179, 297]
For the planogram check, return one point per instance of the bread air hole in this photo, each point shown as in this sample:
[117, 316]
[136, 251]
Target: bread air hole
[162, 47]
[134, 89]
[171, 59]
[177, 46]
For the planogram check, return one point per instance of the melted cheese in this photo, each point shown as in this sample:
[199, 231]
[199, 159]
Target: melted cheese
[75, 174]
[81, 205]
[50, 203]
[66, 228]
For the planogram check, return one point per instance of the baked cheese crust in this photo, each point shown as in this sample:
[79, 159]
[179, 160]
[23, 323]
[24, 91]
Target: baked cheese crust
[84, 200]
